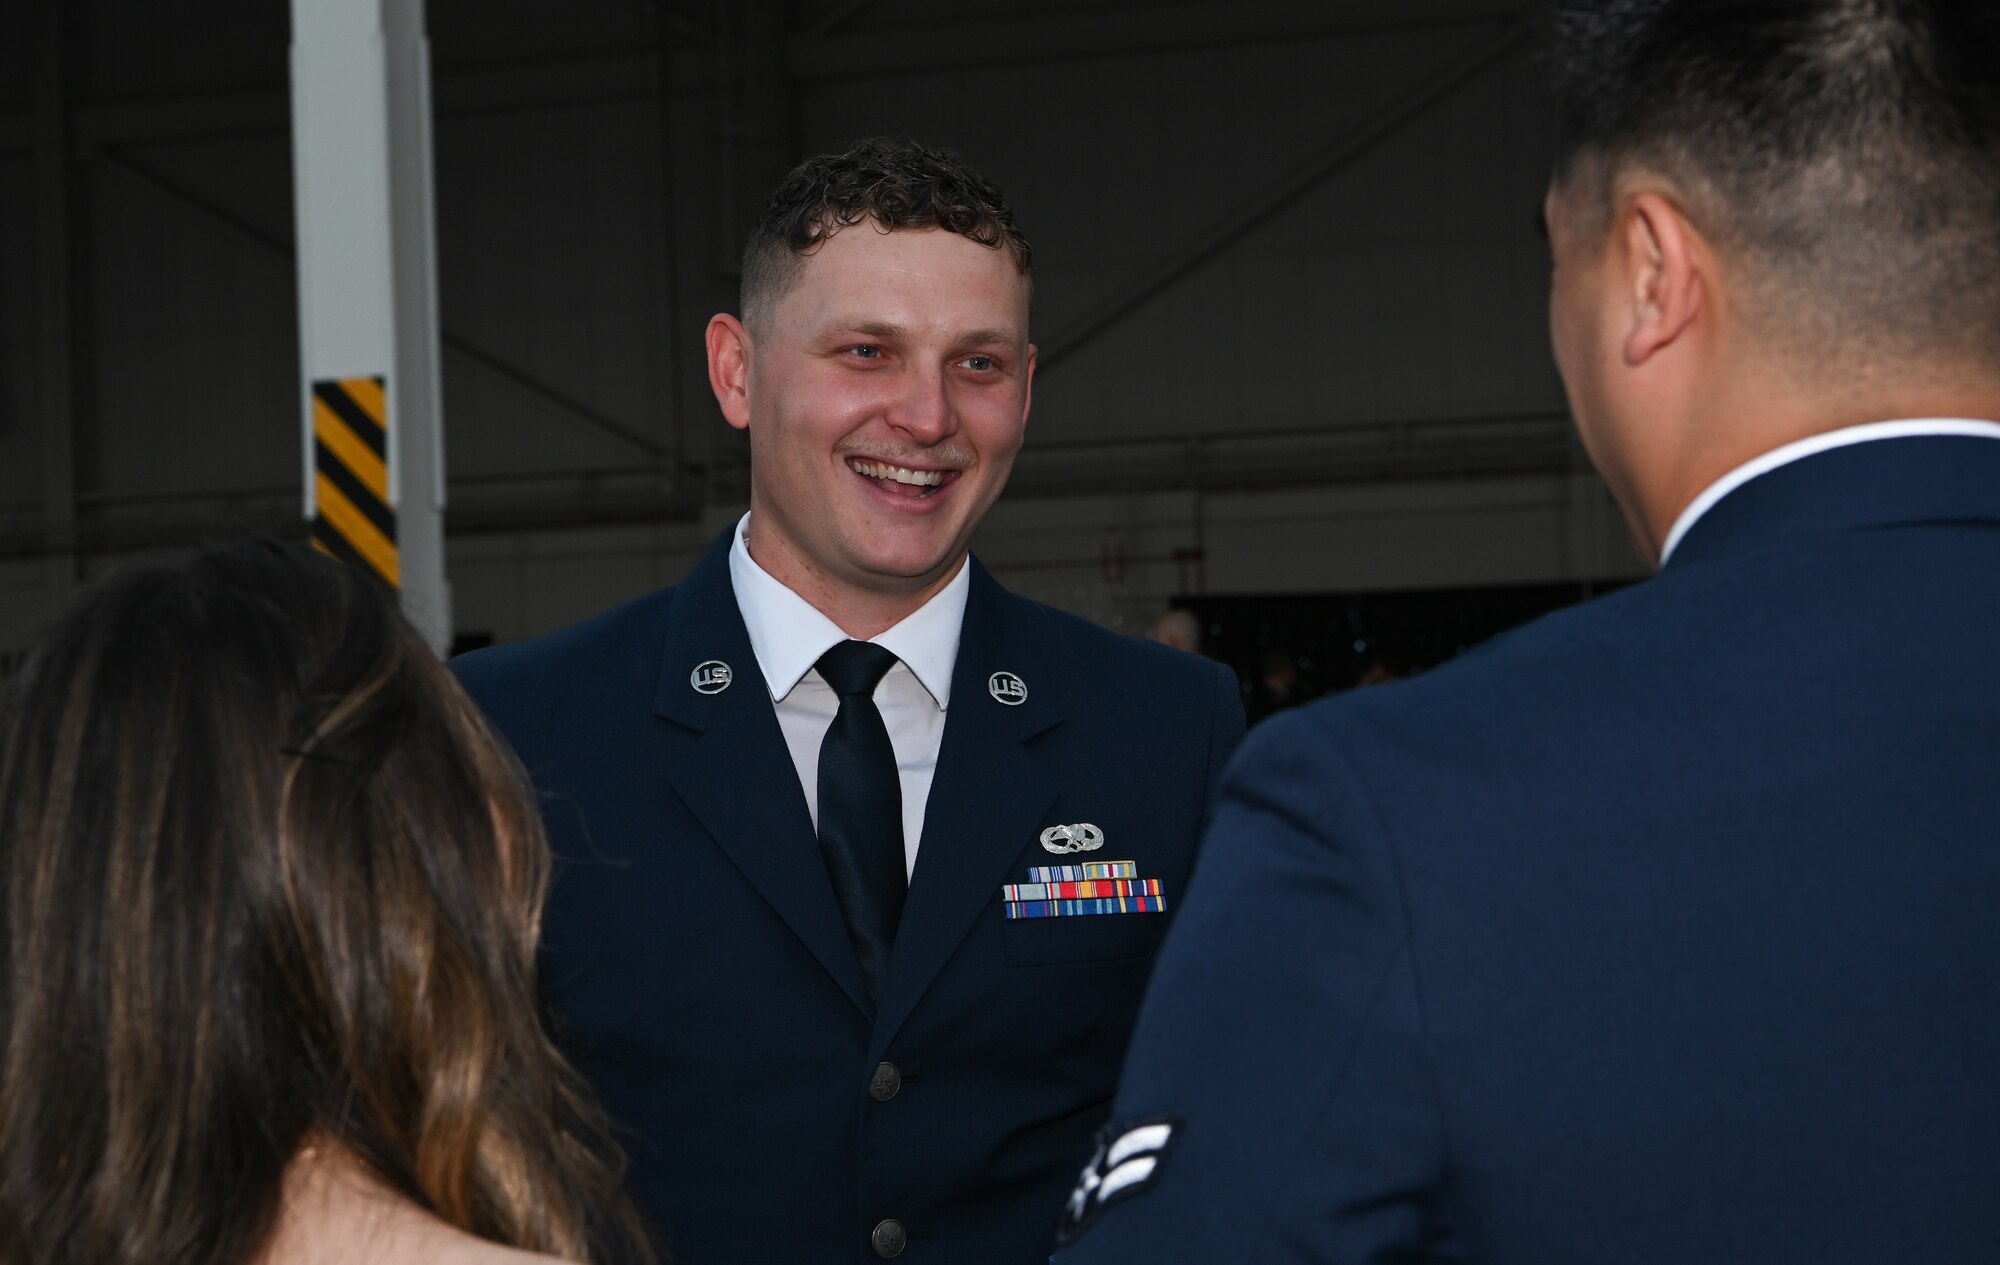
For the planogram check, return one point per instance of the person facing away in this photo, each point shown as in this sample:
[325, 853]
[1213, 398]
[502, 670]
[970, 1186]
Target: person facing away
[863, 857]
[266, 978]
[1666, 929]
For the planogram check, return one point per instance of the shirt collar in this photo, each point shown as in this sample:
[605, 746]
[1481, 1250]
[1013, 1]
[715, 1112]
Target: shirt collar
[1811, 444]
[789, 634]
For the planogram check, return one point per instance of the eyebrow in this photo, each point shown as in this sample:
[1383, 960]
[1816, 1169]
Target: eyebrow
[1000, 336]
[891, 330]
[874, 329]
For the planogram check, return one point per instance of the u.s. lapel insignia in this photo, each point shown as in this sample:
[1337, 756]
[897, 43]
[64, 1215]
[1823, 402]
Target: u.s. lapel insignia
[1093, 887]
[711, 677]
[1082, 837]
[1007, 688]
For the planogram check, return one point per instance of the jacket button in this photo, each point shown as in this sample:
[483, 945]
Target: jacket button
[889, 1239]
[882, 1086]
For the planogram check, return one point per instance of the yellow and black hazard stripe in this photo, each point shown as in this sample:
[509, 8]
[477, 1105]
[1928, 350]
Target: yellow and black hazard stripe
[354, 522]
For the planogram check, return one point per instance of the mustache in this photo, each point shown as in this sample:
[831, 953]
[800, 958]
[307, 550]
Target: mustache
[946, 455]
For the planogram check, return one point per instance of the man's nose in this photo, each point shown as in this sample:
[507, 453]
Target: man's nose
[922, 408]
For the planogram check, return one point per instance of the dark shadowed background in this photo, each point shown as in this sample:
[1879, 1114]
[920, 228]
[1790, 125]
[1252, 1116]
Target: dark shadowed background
[1289, 293]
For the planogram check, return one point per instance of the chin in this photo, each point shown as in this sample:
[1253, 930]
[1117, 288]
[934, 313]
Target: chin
[910, 555]
[900, 573]
[903, 569]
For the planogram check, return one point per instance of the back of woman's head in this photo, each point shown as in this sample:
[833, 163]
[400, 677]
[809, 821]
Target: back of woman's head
[267, 874]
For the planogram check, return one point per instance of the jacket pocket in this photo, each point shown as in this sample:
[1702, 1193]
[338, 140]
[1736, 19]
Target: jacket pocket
[1081, 938]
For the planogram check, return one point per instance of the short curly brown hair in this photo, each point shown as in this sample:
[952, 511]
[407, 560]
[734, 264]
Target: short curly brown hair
[897, 183]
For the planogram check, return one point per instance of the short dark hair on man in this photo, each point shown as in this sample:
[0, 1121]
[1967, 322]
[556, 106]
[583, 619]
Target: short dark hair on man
[897, 183]
[1850, 148]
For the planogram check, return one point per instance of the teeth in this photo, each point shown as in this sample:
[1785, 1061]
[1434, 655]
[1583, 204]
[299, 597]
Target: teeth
[883, 470]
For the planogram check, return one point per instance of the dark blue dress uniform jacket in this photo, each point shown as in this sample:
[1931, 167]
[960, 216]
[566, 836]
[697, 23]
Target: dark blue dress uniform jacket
[701, 973]
[1665, 931]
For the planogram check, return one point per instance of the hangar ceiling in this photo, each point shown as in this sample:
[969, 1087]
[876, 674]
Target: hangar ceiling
[1279, 245]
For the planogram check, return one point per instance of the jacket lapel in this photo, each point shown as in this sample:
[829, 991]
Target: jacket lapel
[738, 777]
[988, 799]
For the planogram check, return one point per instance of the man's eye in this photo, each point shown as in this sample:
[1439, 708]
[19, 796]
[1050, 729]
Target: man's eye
[979, 363]
[866, 352]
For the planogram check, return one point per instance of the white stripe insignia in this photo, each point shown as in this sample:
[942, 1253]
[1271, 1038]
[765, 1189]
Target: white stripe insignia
[1151, 1137]
[1125, 1174]
[1128, 1162]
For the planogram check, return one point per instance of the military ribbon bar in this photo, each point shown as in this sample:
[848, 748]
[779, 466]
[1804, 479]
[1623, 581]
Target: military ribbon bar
[1084, 873]
[1097, 905]
[1093, 887]
[1087, 889]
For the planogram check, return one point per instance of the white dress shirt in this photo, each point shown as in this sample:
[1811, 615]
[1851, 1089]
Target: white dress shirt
[788, 635]
[1786, 455]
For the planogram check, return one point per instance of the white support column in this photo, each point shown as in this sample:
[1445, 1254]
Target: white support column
[374, 424]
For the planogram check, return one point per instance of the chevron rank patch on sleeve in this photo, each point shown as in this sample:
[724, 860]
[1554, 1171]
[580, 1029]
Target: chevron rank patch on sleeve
[1129, 1160]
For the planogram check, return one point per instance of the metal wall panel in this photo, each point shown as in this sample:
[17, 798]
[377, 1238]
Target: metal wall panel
[192, 323]
[550, 235]
[20, 448]
[137, 51]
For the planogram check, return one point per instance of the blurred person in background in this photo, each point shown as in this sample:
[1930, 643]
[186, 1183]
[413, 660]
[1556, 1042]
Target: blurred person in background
[1378, 670]
[1277, 686]
[267, 972]
[1180, 629]
[1665, 929]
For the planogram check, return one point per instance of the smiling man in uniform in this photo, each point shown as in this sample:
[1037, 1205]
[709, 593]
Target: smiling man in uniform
[864, 858]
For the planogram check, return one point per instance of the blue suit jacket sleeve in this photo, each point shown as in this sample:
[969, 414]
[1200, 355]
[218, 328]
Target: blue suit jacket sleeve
[1282, 1035]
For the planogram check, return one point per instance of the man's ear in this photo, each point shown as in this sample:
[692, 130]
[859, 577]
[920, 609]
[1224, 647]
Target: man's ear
[1667, 265]
[729, 368]
[1028, 386]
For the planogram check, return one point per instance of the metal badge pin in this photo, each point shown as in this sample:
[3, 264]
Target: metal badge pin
[1082, 837]
[1007, 688]
[712, 677]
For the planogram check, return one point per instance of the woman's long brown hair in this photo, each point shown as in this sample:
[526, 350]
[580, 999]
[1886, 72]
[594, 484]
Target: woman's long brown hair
[266, 872]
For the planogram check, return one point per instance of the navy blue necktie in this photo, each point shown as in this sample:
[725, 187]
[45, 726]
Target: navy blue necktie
[861, 807]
